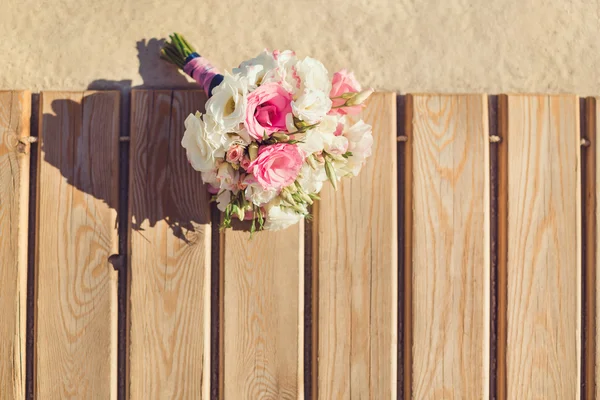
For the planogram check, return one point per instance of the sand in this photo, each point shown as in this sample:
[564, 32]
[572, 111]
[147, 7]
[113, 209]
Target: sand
[406, 46]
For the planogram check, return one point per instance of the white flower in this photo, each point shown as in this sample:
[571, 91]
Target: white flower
[227, 177]
[227, 106]
[256, 68]
[289, 123]
[233, 139]
[210, 178]
[338, 145]
[313, 75]
[360, 141]
[223, 200]
[315, 139]
[278, 218]
[202, 146]
[257, 195]
[284, 73]
[311, 179]
[312, 142]
[312, 106]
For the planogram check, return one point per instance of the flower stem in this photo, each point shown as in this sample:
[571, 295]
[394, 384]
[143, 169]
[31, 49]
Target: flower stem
[176, 50]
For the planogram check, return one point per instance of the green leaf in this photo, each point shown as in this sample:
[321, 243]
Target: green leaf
[347, 154]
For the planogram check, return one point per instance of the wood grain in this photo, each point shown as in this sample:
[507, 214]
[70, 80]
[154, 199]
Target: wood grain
[263, 314]
[450, 247]
[76, 286]
[169, 274]
[357, 269]
[544, 248]
[15, 108]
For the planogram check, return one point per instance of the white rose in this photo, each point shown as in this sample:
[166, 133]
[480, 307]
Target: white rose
[227, 106]
[278, 218]
[360, 142]
[312, 106]
[313, 75]
[257, 195]
[202, 146]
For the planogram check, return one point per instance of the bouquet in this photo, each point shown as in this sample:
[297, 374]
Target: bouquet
[274, 131]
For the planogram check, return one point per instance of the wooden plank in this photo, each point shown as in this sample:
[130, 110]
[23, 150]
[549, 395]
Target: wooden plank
[407, 214]
[262, 331]
[357, 269]
[592, 168]
[502, 246]
[15, 107]
[169, 273]
[76, 286]
[544, 248]
[450, 262]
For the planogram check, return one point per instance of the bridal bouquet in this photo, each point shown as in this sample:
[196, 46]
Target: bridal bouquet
[274, 131]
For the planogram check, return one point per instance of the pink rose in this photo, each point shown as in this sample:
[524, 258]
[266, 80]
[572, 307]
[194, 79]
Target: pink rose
[343, 82]
[235, 154]
[245, 162]
[276, 166]
[267, 108]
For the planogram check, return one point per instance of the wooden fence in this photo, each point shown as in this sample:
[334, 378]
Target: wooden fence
[460, 264]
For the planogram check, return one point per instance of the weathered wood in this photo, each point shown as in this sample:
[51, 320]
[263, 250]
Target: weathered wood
[169, 274]
[357, 269]
[76, 286]
[263, 307]
[450, 247]
[15, 107]
[544, 247]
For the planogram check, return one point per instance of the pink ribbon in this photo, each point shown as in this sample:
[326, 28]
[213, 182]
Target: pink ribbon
[201, 71]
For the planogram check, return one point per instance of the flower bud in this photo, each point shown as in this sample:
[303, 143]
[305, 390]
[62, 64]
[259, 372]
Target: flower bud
[253, 151]
[280, 137]
[285, 195]
[359, 98]
[348, 95]
[331, 175]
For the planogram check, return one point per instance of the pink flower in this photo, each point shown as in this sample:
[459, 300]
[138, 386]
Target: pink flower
[276, 166]
[267, 108]
[235, 154]
[245, 162]
[343, 82]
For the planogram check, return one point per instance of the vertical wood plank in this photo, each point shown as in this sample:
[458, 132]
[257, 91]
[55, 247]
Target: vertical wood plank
[169, 274]
[76, 286]
[263, 307]
[544, 248]
[589, 240]
[450, 247]
[15, 108]
[357, 269]
[593, 249]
